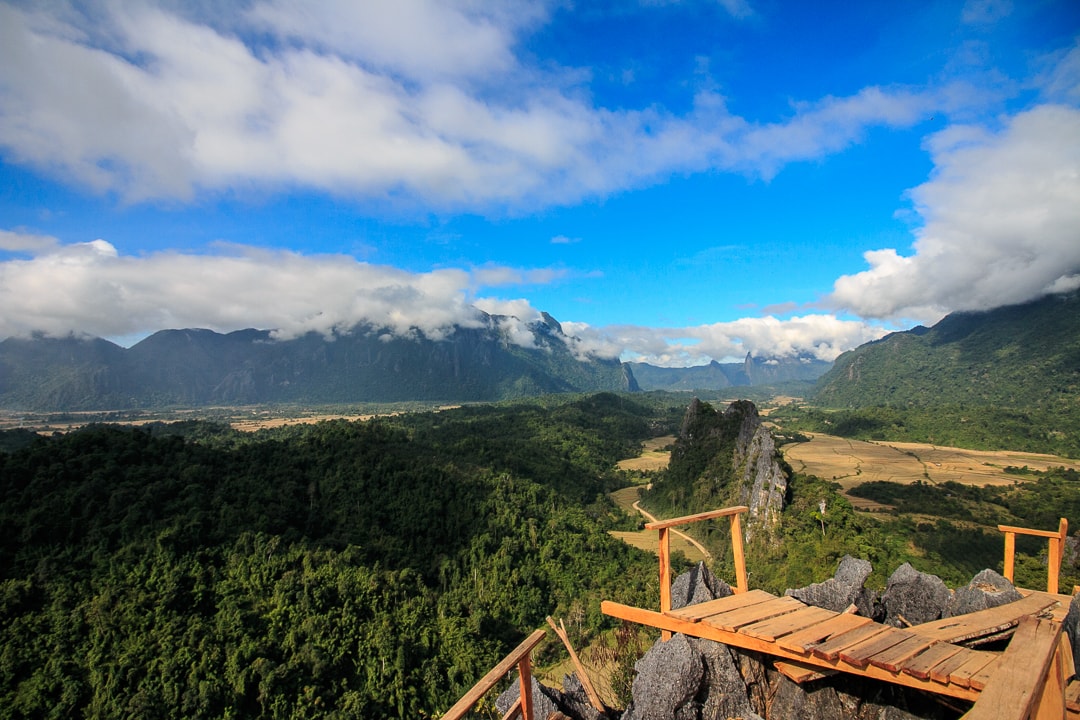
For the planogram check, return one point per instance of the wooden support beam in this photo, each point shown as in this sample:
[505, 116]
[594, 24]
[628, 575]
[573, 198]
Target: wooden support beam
[665, 576]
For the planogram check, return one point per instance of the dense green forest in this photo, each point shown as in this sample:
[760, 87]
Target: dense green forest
[378, 569]
[337, 570]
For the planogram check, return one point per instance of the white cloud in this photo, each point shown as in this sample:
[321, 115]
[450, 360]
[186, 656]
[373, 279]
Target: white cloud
[24, 242]
[1000, 213]
[822, 336]
[417, 101]
[91, 288]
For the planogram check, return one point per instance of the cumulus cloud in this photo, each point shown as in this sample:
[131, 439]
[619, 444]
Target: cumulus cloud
[1000, 216]
[90, 287]
[416, 101]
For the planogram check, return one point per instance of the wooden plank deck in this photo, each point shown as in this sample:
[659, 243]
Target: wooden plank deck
[812, 638]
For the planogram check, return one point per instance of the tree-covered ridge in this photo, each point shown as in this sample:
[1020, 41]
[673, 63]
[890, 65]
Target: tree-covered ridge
[1023, 357]
[337, 570]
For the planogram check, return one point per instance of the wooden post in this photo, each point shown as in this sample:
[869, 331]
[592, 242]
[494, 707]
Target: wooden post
[665, 576]
[741, 581]
[1056, 541]
[1010, 555]
[525, 673]
[1057, 545]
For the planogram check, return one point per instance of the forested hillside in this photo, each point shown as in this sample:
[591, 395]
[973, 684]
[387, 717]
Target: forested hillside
[337, 570]
[497, 358]
[1005, 378]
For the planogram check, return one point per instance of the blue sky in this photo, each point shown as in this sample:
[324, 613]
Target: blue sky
[673, 181]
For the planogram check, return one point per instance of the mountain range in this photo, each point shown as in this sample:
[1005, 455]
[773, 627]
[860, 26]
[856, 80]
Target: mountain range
[752, 371]
[1025, 354]
[1020, 355]
[202, 367]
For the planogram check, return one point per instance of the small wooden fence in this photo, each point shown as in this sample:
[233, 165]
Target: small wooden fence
[521, 656]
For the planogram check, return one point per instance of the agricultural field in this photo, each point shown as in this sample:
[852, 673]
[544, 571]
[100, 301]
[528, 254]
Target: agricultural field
[653, 455]
[853, 462]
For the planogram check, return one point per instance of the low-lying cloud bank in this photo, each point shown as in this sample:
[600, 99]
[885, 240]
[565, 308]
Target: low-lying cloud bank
[91, 288]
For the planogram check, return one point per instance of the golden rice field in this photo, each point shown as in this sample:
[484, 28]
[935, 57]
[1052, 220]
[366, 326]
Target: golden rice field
[852, 462]
[653, 455]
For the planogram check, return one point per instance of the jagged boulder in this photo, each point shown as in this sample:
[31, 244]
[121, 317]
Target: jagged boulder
[912, 597]
[817, 702]
[546, 701]
[668, 678]
[575, 702]
[697, 585]
[986, 590]
[843, 589]
[723, 692]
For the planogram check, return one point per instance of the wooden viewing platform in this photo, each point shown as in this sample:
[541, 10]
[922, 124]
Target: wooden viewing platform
[1030, 679]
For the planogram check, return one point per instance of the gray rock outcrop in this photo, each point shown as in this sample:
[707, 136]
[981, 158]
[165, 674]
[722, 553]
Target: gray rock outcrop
[668, 678]
[545, 700]
[842, 590]
[986, 590]
[697, 585]
[912, 597]
[763, 484]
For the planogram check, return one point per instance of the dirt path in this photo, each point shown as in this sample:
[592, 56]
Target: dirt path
[652, 518]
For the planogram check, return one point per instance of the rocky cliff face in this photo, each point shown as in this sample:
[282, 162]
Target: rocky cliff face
[762, 480]
[725, 458]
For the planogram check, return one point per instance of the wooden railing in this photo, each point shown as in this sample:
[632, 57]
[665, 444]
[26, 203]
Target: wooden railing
[1057, 544]
[520, 657]
[733, 514]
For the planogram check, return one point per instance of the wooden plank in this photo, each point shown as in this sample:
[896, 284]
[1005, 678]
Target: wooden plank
[984, 622]
[700, 611]
[962, 675]
[859, 654]
[660, 621]
[803, 641]
[943, 670]
[1024, 665]
[981, 678]
[687, 519]
[736, 619]
[786, 624]
[898, 655]
[830, 649]
[800, 673]
[1050, 701]
[921, 665]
